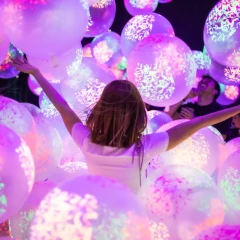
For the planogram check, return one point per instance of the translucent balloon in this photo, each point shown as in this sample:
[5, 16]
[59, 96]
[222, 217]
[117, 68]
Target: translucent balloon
[34, 85]
[44, 23]
[225, 75]
[228, 179]
[156, 119]
[21, 222]
[6, 70]
[48, 146]
[69, 171]
[201, 150]
[221, 232]
[221, 33]
[183, 198]
[140, 27]
[17, 117]
[102, 15]
[57, 67]
[4, 45]
[229, 94]
[163, 69]
[93, 209]
[84, 88]
[136, 7]
[232, 146]
[106, 48]
[16, 172]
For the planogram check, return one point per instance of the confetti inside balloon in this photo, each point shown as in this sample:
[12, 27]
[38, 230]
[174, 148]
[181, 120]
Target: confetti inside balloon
[16, 173]
[183, 198]
[225, 75]
[6, 70]
[44, 23]
[21, 221]
[84, 206]
[102, 14]
[229, 94]
[140, 27]
[163, 69]
[136, 7]
[221, 33]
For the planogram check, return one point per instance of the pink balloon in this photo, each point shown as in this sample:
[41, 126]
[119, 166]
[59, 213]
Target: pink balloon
[140, 27]
[163, 69]
[4, 45]
[21, 221]
[17, 117]
[45, 25]
[34, 85]
[92, 204]
[16, 173]
[102, 14]
[136, 7]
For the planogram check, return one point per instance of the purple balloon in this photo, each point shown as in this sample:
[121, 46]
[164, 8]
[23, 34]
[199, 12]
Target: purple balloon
[101, 18]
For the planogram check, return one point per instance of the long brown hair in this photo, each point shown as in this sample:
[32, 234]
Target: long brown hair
[119, 117]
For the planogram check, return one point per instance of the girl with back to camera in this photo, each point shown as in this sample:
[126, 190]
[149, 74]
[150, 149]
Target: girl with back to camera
[112, 140]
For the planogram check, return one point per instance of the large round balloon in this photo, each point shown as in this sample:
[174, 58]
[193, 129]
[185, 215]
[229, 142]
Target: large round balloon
[16, 116]
[183, 198]
[102, 14]
[106, 48]
[48, 146]
[6, 70]
[229, 94]
[52, 27]
[57, 67]
[221, 33]
[232, 146]
[163, 69]
[140, 27]
[225, 75]
[92, 207]
[21, 221]
[16, 172]
[4, 45]
[228, 181]
[136, 7]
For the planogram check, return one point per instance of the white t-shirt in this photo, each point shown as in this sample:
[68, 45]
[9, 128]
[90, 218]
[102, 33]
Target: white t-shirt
[116, 163]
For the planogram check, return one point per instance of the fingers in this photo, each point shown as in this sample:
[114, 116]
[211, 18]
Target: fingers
[186, 113]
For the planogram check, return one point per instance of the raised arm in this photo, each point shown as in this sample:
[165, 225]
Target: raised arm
[183, 131]
[68, 115]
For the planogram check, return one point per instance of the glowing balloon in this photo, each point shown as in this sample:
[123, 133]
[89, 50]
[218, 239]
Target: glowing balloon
[232, 146]
[17, 117]
[106, 48]
[229, 94]
[228, 181]
[91, 206]
[45, 25]
[84, 88]
[21, 222]
[163, 69]
[140, 27]
[136, 7]
[102, 14]
[221, 232]
[4, 45]
[183, 198]
[34, 85]
[69, 171]
[201, 150]
[16, 172]
[225, 75]
[221, 33]
[48, 146]
[57, 67]
[6, 70]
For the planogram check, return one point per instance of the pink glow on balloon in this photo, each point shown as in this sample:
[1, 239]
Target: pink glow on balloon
[101, 18]
[94, 214]
[140, 27]
[136, 7]
[231, 92]
[232, 146]
[221, 33]
[44, 22]
[16, 173]
[87, 51]
[163, 69]
[4, 45]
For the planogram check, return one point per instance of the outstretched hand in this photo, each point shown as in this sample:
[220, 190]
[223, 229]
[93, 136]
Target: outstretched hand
[22, 65]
